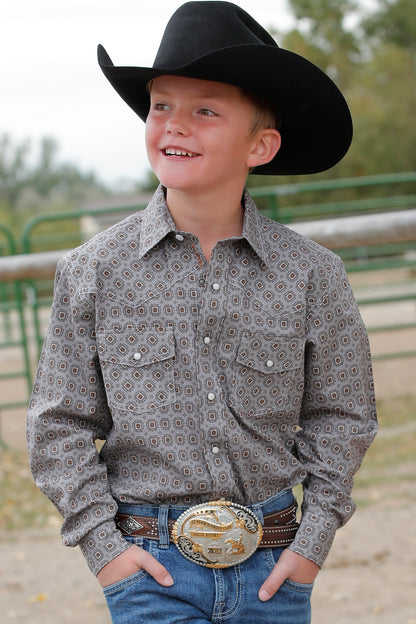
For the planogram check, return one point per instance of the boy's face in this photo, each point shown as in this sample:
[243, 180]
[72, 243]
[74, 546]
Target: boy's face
[198, 134]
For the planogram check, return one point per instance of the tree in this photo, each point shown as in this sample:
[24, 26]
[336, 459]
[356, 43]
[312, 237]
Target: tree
[323, 37]
[394, 22]
[13, 168]
[383, 104]
[45, 180]
[373, 61]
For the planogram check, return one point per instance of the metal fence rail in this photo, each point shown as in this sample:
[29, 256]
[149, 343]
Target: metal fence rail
[332, 233]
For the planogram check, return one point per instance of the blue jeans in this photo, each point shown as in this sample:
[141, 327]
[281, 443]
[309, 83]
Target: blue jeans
[200, 595]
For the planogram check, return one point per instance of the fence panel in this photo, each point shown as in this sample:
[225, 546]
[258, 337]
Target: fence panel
[15, 377]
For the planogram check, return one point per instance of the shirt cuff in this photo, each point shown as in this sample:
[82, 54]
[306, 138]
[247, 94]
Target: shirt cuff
[314, 537]
[102, 545]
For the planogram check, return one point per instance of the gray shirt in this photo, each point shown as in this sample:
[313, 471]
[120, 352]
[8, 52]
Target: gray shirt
[235, 379]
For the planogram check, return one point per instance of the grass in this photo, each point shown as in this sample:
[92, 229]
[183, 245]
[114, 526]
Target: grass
[396, 411]
[389, 452]
[389, 462]
[22, 506]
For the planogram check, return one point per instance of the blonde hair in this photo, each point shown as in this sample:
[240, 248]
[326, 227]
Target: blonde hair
[264, 116]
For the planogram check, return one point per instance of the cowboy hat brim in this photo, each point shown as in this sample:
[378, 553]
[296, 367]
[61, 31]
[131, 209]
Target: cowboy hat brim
[316, 125]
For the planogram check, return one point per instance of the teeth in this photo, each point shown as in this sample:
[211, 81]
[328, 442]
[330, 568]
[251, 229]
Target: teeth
[169, 151]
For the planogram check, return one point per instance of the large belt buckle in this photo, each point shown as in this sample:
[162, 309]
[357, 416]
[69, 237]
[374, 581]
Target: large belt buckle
[217, 534]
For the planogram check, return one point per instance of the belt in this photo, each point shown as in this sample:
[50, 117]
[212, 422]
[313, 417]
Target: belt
[279, 528]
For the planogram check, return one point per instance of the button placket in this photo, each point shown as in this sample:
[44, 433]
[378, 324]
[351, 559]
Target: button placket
[210, 324]
[206, 339]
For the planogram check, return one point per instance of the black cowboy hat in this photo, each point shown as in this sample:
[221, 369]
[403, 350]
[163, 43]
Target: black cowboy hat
[219, 41]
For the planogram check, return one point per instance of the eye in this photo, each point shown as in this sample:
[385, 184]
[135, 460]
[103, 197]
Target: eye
[160, 106]
[207, 112]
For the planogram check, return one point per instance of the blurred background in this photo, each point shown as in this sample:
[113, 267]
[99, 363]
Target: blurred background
[72, 161]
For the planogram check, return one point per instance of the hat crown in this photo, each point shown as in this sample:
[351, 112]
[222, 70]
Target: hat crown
[197, 29]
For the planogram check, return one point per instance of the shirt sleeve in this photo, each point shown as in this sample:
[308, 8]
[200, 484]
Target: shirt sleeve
[338, 418]
[67, 413]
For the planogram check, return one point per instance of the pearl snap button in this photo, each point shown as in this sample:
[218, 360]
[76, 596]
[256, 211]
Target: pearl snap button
[137, 356]
[215, 450]
[211, 396]
[215, 286]
[179, 237]
[207, 340]
[269, 363]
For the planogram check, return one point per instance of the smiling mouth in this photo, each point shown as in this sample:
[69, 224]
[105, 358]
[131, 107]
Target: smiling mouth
[171, 151]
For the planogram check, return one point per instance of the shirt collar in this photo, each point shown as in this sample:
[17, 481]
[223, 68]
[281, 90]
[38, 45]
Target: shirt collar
[253, 231]
[158, 222]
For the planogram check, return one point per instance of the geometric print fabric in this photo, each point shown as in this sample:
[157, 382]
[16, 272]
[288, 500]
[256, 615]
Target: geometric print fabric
[236, 379]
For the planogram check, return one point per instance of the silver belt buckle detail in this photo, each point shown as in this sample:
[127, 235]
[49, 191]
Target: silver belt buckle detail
[217, 534]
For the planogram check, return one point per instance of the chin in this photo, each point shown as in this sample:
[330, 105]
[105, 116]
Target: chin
[173, 184]
[176, 182]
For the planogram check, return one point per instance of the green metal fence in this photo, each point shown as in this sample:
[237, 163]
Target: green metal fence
[13, 335]
[69, 235]
[276, 208]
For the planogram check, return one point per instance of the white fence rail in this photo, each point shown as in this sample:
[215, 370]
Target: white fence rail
[388, 227]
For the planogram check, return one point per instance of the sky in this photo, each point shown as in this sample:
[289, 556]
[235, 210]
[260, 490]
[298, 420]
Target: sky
[51, 84]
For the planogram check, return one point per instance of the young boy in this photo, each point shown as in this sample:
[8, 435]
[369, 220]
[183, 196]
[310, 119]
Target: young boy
[220, 355]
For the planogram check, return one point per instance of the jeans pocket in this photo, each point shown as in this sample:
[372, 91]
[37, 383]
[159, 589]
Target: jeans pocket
[305, 588]
[125, 583]
[293, 602]
[272, 557]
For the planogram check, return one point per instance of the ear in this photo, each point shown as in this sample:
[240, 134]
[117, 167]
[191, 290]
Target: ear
[264, 147]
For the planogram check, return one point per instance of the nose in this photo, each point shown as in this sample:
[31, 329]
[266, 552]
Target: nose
[177, 125]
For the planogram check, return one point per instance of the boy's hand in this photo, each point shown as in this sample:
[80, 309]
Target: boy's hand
[131, 561]
[290, 566]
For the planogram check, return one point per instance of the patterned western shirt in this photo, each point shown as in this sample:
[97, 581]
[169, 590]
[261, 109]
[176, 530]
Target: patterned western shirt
[233, 379]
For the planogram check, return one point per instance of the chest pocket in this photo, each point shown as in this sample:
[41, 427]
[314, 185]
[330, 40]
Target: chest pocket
[264, 372]
[138, 366]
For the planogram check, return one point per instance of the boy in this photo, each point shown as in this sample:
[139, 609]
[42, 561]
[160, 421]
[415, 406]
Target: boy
[220, 355]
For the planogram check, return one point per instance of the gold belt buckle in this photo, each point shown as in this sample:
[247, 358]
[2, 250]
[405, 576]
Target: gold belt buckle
[217, 534]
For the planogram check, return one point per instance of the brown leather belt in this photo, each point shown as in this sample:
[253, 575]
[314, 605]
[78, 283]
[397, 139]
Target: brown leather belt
[279, 528]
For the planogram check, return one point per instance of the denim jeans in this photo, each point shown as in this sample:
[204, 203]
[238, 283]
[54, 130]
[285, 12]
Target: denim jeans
[200, 595]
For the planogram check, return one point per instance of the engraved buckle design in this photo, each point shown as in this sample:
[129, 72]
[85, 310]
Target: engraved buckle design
[218, 534]
[130, 525]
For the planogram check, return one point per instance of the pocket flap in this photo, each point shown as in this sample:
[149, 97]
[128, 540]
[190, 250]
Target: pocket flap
[269, 353]
[136, 345]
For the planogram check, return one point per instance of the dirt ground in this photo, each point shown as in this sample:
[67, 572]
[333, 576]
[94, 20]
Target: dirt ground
[369, 577]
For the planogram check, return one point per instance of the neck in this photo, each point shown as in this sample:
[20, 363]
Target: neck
[211, 216]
